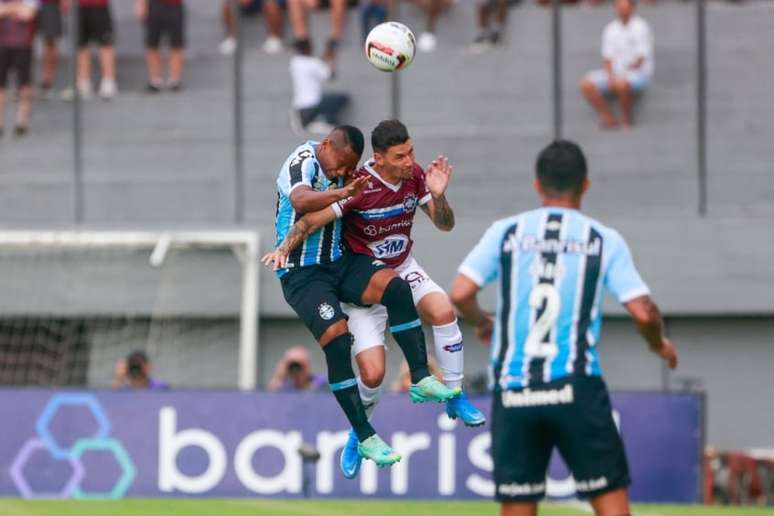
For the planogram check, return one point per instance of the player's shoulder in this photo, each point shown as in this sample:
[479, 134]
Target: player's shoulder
[611, 237]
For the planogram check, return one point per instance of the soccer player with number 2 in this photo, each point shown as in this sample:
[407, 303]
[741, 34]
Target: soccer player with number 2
[551, 265]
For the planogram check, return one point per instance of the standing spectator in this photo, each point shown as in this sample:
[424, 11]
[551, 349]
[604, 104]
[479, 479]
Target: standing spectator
[487, 34]
[275, 22]
[298, 12]
[163, 18]
[294, 373]
[50, 25]
[308, 74]
[427, 41]
[95, 26]
[133, 372]
[627, 50]
[372, 14]
[17, 30]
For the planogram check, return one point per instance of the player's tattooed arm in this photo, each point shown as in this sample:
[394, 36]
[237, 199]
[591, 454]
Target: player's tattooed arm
[650, 324]
[437, 176]
[306, 200]
[300, 231]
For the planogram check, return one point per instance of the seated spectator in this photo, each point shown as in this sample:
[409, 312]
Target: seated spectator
[133, 372]
[627, 50]
[298, 11]
[275, 22]
[95, 25]
[294, 373]
[308, 74]
[488, 34]
[17, 30]
[50, 25]
[163, 18]
[427, 41]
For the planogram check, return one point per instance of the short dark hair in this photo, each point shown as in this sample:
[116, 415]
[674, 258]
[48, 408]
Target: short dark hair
[353, 138]
[561, 167]
[387, 134]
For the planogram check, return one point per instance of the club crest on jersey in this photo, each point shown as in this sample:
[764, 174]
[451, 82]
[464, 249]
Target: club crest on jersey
[326, 312]
[390, 247]
[370, 230]
[410, 203]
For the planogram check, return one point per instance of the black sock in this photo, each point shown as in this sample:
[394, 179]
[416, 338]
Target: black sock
[344, 386]
[406, 328]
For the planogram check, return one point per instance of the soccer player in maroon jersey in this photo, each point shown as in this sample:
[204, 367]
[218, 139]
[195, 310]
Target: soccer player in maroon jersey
[378, 223]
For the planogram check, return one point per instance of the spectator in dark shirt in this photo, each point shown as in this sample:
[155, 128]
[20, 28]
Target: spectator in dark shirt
[163, 18]
[17, 30]
[294, 373]
[133, 372]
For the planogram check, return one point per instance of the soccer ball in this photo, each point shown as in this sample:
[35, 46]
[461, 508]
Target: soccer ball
[390, 46]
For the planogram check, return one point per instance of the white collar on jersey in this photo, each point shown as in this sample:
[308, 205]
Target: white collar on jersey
[370, 169]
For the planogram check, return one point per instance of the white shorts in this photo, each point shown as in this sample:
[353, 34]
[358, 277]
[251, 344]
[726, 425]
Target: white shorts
[368, 325]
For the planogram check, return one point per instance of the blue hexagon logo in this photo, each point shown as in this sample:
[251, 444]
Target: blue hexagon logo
[54, 404]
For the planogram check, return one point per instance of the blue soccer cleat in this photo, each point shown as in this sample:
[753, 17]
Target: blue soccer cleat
[461, 407]
[350, 458]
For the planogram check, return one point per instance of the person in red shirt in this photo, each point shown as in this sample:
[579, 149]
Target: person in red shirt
[50, 26]
[17, 30]
[163, 18]
[95, 26]
[378, 223]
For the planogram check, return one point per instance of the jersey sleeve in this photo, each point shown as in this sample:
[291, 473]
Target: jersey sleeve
[621, 278]
[482, 265]
[423, 193]
[344, 206]
[302, 170]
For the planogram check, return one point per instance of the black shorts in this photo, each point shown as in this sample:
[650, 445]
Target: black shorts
[95, 25]
[18, 61]
[315, 292]
[165, 20]
[574, 414]
[50, 21]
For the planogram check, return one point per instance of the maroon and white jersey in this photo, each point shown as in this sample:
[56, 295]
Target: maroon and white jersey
[378, 221]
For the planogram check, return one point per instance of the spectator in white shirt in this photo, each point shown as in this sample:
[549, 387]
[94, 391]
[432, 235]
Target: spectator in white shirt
[627, 50]
[308, 74]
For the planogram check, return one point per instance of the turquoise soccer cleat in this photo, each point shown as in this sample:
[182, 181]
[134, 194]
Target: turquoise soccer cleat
[430, 389]
[350, 459]
[378, 451]
[461, 407]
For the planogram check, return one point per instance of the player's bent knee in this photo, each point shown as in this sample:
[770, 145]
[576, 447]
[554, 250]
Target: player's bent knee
[441, 318]
[397, 291]
[372, 376]
[336, 329]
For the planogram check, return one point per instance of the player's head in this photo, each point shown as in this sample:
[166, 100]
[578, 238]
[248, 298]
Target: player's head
[561, 172]
[393, 149]
[625, 8]
[340, 151]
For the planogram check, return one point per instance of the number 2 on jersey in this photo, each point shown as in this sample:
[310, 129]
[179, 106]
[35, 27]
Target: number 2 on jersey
[535, 345]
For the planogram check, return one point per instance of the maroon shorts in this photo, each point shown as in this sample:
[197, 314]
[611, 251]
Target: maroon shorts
[17, 61]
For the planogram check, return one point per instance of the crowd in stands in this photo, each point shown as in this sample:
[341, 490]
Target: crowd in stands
[627, 50]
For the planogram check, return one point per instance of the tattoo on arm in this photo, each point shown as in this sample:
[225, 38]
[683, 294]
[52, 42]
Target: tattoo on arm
[297, 234]
[443, 217]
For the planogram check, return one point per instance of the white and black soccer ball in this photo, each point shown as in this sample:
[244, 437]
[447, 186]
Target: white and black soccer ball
[390, 46]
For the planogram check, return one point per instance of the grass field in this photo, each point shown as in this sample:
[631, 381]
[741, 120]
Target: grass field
[9, 507]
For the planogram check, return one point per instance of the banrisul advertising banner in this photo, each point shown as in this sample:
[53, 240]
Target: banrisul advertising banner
[57, 444]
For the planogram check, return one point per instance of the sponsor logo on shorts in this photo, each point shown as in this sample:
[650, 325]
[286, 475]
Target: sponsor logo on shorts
[515, 489]
[593, 484]
[390, 247]
[530, 398]
[326, 312]
[453, 348]
[414, 279]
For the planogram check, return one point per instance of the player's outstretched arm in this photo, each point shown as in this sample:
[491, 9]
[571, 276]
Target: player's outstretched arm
[650, 324]
[300, 231]
[437, 176]
[305, 200]
[464, 296]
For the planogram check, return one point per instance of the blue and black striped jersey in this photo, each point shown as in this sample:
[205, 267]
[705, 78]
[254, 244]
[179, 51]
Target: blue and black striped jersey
[324, 245]
[551, 265]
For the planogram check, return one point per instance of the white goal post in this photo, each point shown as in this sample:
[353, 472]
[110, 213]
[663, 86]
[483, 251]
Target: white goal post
[243, 243]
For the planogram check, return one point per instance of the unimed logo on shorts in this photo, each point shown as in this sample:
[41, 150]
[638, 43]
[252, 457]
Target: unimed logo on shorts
[48, 466]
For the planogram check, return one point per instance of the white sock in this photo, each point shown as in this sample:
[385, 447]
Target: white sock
[449, 353]
[370, 396]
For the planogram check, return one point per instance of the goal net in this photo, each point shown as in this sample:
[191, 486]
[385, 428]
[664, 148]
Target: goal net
[74, 303]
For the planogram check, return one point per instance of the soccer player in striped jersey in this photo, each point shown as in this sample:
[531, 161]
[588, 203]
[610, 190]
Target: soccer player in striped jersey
[320, 274]
[552, 265]
[377, 224]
